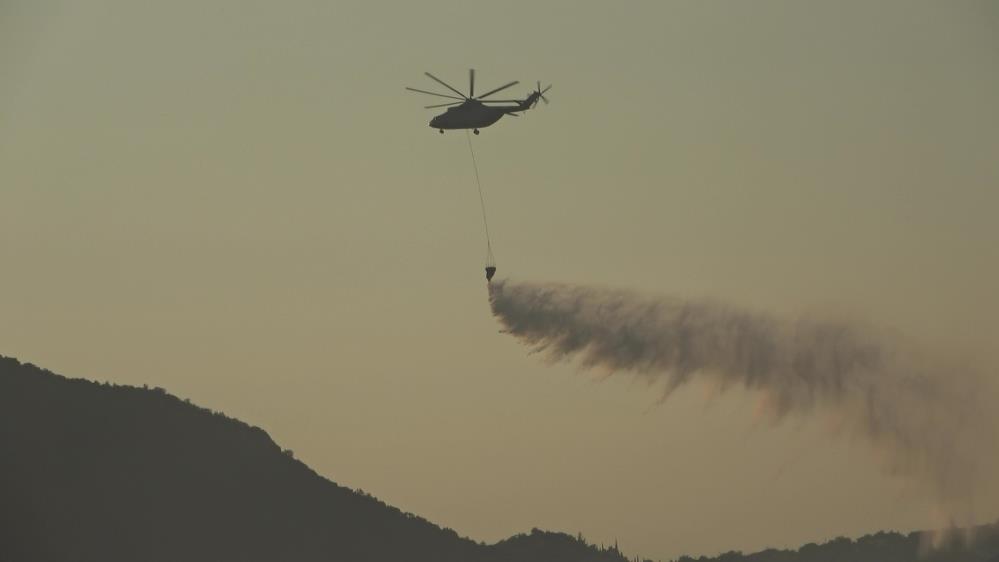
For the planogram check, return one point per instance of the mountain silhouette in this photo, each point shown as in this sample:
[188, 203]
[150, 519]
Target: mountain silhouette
[103, 472]
[979, 544]
[108, 473]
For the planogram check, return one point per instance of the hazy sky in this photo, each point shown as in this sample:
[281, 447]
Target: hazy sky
[239, 202]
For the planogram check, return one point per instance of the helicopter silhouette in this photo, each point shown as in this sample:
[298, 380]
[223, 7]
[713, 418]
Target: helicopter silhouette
[473, 112]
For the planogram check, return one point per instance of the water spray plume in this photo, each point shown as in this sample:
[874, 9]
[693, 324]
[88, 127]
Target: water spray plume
[926, 417]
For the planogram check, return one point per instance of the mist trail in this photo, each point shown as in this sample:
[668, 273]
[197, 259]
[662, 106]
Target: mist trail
[931, 420]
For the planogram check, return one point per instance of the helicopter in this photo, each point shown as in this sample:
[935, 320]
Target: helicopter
[473, 112]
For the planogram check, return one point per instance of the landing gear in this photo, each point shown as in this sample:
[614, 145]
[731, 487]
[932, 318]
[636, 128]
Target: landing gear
[476, 131]
[442, 131]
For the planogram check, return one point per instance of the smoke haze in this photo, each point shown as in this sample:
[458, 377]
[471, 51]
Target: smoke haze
[927, 416]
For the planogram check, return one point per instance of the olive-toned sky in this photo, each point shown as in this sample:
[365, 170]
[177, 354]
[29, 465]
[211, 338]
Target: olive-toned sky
[239, 202]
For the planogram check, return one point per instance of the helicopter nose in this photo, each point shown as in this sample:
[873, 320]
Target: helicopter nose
[434, 121]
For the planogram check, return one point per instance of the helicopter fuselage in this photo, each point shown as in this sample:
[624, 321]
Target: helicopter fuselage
[470, 115]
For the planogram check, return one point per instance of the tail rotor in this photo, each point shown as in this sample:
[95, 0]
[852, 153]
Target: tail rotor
[540, 94]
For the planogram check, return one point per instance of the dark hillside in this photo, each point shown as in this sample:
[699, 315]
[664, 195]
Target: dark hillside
[99, 472]
[879, 547]
[94, 471]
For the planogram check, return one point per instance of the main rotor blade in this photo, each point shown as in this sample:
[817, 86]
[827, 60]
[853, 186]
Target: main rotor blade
[503, 87]
[435, 94]
[471, 82]
[442, 104]
[445, 84]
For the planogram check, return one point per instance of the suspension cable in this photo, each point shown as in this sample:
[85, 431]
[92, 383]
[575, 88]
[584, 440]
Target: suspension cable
[482, 202]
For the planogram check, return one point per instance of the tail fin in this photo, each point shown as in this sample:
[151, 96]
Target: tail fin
[532, 99]
[529, 102]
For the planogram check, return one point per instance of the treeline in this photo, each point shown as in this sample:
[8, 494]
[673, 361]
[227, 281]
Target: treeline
[981, 544]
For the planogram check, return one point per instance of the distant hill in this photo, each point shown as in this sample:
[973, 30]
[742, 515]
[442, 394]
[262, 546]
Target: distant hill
[108, 473]
[101, 472]
[879, 547]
